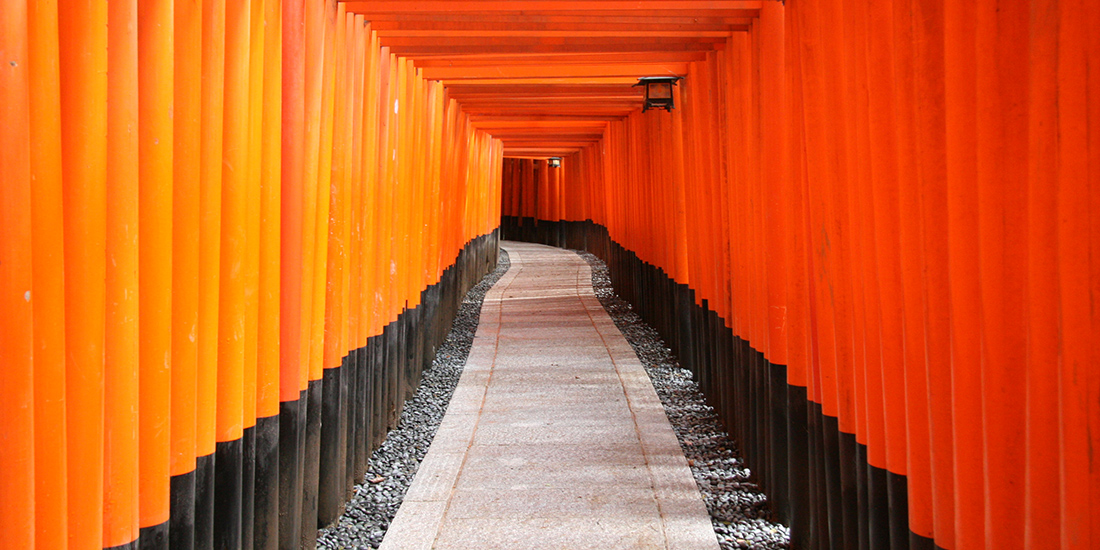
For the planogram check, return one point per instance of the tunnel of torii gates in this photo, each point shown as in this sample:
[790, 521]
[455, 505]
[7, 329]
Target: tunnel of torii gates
[233, 232]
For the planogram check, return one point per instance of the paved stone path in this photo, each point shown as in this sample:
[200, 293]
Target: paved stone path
[554, 437]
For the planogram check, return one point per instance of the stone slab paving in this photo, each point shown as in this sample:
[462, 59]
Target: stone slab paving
[554, 437]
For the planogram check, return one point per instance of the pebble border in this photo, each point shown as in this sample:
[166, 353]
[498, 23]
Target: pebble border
[738, 509]
[393, 466]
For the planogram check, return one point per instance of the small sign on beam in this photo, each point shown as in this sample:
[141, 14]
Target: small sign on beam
[658, 91]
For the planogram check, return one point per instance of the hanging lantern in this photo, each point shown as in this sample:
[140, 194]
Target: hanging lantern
[555, 162]
[658, 91]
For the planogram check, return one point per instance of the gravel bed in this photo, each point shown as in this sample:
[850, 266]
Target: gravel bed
[738, 509]
[392, 467]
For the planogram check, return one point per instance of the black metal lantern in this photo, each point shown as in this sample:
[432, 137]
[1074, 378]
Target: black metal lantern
[554, 162]
[658, 91]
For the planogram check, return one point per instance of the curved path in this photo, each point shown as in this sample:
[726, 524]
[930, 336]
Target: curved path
[554, 437]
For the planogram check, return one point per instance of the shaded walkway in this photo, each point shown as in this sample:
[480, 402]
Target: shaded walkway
[554, 437]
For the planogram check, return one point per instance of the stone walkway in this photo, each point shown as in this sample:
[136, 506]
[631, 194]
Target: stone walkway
[554, 437]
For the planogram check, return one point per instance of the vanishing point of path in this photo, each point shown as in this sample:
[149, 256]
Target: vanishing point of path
[554, 437]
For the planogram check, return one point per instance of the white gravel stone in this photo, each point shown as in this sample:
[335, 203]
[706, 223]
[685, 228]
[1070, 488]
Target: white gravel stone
[738, 509]
[374, 505]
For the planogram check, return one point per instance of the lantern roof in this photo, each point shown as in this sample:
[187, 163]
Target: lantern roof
[654, 79]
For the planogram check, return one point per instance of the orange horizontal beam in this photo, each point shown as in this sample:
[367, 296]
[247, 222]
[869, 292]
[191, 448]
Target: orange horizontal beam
[542, 117]
[544, 141]
[559, 109]
[549, 80]
[435, 49]
[596, 7]
[555, 71]
[530, 90]
[487, 43]
[474, 60]
[548, 97]
[545, 123]
[536, 133]
[528, 152]
[531, 33]
[573, 23]
[613, 113]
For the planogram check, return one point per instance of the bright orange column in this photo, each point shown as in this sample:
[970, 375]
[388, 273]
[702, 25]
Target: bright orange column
[918, 462]
[268, 315]
[186, 215]
[121, 355]
[931, 149]
[232, 311]
[17, 486]
[1003, 219]
[155, 84]
[210, 222]
[48, 294]
[84, 170]
[1032, 334]
[962, 260]
[311, 144]
[256, 56]
[291, 369]
[293, 128]
[1076, 204]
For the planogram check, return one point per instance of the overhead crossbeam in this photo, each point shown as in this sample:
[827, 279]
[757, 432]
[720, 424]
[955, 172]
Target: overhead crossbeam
[547, 76]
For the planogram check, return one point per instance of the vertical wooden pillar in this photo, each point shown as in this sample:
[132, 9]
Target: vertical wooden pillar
[186, 212]
[84, 155]
[210, 220]
[155, 138]
[48, 292]
[1024, 492]
[291, 414]
[333, 459]
[1077, 202]
[962, 259]
[1003, 198]
[266, 491]
[17, 410]
[120, 498]
[228, 471]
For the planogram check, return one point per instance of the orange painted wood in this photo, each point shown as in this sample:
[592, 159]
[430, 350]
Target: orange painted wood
[17, 486]
[457, 74]
[324, 191]
[931, 144]
[269, 314]
[292, 204]
[918, 460]
[155, 138]
[891, 200]
[48, 292]
[210, 200]
[337, 292]
[256, 55]
[1029, 341]
[234, 216]
[1076, 206]
[311, 145]
[1008, 213]
[186, 215]
[83, 66]
[646, 6]
[964, 288]
[121, 390]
